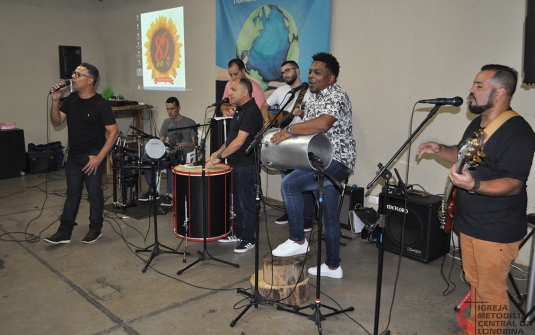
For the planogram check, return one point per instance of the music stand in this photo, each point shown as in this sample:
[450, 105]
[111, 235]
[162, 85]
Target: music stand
[156, 246]
[317, 316]
[204, 254]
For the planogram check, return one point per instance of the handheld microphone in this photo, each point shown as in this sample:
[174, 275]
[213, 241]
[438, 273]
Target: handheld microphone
[457, 101]
[66, 83]
[220, 102]
[301, 87]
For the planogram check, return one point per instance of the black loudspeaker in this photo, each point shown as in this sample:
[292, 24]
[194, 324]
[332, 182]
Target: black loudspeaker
[529, 43]
[423, 240]
[69, 59]
[13, 153]
[353, 196]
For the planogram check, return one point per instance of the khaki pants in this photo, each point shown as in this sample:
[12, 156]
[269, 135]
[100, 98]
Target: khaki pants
[486, 265]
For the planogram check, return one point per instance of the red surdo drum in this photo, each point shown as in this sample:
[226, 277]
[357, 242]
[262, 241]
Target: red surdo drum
[189, 209]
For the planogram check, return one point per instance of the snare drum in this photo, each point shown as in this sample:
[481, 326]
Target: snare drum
[188, 204]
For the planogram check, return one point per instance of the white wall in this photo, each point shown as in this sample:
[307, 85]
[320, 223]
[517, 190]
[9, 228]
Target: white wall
[392, 53]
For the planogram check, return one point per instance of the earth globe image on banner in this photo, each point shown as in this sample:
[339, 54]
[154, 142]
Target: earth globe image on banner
[268, 38]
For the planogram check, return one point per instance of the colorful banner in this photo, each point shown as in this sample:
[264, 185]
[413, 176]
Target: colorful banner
[162, 49]
[265, 33]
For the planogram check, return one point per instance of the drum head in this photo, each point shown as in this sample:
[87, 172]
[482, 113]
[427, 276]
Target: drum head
[155, 148]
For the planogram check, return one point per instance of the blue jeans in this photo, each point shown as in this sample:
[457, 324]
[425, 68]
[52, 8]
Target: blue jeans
[308, 198]
[300, 181]
[164, 164]
[245, 202]
[75, 183]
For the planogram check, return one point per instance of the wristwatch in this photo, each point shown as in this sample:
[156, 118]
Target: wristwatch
[474, 189]
[288, 129]
[219, 157]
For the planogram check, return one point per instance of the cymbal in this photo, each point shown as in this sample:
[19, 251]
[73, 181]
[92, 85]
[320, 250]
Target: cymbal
[136, 135]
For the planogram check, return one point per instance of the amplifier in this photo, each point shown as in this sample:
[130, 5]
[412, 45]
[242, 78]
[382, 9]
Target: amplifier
[423, 240]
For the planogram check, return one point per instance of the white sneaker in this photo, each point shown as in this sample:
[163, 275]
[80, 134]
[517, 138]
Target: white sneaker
[290, 248]
[326, 272]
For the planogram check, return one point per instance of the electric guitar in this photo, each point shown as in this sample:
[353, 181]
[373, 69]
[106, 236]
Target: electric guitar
[469, 155]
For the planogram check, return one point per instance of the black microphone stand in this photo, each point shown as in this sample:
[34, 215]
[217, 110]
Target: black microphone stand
[204, 254]
[316, 316]
[387, 175]
[256, 297]
[156, 245]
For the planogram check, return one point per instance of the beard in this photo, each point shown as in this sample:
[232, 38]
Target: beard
[291, 80]
[480, 109]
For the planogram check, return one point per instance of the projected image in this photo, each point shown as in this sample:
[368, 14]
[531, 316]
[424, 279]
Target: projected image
[162, 50]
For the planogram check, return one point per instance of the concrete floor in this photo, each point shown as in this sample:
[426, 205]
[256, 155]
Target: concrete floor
[99, 288]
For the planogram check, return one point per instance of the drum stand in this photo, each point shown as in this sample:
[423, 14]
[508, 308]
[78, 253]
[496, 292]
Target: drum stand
[316, 316]
[205, 255]
[156, 245]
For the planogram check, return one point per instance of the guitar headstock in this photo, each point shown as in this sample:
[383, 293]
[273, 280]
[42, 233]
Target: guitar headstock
[471, 152]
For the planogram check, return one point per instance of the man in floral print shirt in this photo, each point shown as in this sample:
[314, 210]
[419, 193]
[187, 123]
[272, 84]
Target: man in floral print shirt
[328, 111]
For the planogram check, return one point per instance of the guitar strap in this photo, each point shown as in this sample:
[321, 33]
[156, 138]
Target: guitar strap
[497, 123]
[299, 99]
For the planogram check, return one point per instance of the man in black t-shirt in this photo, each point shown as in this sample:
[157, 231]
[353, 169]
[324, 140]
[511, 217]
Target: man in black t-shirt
[89, 119]
[490, 214]
[246, 122]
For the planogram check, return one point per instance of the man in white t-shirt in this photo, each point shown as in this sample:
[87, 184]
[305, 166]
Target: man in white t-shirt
[290, 73]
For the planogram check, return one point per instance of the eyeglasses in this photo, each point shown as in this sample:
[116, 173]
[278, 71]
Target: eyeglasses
[78, 74]
[287, 71]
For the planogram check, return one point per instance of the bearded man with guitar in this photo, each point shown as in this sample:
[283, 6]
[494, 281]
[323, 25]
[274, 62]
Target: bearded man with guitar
[490, 209]
[290, 73]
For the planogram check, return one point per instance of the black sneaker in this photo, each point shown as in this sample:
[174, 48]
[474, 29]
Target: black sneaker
[91, 236]
[244, 246]
[147, 197]
[230, 238]
[308, 225]
[167, 201]
[282, 220]
[58, 238]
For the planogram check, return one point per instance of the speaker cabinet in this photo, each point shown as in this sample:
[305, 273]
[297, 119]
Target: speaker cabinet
[529, 43]
[423, 240]
[69, 59]
[13, 153]
[352, 197]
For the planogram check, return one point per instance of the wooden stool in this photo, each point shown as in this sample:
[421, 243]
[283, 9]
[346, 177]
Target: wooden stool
[277, 280]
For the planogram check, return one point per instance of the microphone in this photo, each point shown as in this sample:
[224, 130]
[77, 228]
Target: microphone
[457, 101]
[301, 87]
[220, 102]
[66, 83]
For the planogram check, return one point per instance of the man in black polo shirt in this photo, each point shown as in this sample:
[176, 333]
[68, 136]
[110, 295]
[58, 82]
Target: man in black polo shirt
[246, 122]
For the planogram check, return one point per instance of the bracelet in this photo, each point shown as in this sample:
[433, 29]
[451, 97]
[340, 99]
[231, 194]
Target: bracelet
[474, 189]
